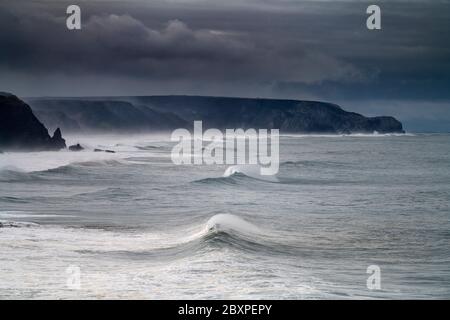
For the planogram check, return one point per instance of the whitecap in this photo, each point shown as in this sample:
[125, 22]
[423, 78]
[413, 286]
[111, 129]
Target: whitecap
[252, 171]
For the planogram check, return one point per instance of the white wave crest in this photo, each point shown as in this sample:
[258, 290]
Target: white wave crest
[224, 222]
[252, 171]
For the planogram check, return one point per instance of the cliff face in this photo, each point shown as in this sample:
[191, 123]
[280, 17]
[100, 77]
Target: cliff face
[156, 113]
[94, 115]
[21, 130]
[293, 116]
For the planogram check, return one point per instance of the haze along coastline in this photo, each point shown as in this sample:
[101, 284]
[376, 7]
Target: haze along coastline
[162, 113]
[21, 127]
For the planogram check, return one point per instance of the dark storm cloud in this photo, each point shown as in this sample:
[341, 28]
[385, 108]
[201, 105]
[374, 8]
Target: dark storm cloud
[122, 45]
[267, 48]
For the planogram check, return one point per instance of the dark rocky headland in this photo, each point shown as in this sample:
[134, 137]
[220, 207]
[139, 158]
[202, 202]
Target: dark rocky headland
[163, 113]
[21, 130]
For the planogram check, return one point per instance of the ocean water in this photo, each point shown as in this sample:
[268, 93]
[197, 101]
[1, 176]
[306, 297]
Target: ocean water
[137, 226]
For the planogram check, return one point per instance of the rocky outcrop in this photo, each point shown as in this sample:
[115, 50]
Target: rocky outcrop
[21, 130]
[59, 142]
[76, 147]
[101, 150]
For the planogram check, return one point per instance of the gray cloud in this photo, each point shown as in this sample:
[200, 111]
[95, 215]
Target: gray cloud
[266, 48]
[121, 45]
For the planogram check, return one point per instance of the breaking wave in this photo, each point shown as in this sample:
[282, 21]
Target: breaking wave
[231, 231]
[239, 173]
[220, 231]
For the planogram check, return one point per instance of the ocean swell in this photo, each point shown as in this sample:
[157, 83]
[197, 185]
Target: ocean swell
[221, 231]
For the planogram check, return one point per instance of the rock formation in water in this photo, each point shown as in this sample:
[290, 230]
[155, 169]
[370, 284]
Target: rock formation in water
[21, 130]
[76, 147]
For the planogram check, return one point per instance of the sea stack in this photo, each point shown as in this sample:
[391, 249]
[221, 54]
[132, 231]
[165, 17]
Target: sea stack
[20, 130]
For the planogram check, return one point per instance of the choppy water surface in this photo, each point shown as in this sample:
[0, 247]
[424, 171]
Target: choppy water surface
[138, 226]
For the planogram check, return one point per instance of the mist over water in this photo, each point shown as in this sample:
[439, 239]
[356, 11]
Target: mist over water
[139, 226]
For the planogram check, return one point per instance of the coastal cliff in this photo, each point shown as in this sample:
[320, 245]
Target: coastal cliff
[21, 130]
[162, 113]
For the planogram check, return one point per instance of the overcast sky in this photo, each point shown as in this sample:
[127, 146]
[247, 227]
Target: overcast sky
[317, 50]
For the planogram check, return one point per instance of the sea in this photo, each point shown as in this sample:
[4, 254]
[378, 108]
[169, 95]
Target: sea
[346, 217]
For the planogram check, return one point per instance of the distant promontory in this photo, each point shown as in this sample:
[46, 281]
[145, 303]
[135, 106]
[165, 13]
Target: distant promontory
[162, 113]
